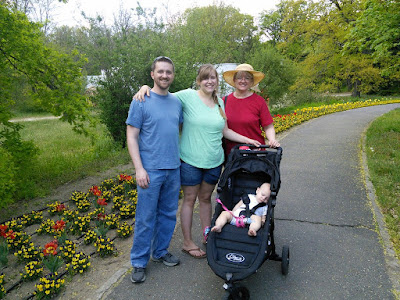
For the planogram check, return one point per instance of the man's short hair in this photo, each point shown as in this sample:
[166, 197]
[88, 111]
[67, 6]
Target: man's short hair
[162, 58]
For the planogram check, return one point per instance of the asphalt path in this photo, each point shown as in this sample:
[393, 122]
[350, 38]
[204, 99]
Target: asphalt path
[323, 213]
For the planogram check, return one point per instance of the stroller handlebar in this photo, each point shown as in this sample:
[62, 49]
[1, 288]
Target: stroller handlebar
[260, 149]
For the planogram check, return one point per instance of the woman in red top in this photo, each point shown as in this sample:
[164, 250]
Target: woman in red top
[246, 111]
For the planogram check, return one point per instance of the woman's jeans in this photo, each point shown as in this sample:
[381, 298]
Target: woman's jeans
[155, 216]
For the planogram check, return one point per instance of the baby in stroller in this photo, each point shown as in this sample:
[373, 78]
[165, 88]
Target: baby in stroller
[257, 206]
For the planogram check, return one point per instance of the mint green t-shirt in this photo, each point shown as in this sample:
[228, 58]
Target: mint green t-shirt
[200, 143]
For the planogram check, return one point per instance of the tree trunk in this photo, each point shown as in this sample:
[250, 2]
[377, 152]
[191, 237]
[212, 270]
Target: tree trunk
[356, 92]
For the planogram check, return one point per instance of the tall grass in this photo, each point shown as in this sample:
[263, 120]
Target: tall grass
[66, 156]
[383, 157]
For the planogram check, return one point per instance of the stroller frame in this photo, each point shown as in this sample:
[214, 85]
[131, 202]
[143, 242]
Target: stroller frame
[232, 254]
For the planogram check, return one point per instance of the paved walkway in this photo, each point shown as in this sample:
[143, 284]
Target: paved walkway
[34, 119]
[323, 213]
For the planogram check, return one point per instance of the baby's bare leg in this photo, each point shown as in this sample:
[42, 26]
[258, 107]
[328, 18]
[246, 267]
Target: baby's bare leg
[224, 217]
[255, 225]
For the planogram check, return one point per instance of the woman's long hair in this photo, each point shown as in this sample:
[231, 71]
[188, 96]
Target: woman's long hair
[204, 73]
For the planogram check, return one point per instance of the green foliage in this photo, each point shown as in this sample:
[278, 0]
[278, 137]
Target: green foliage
[23, 155]
[54, 78]
[65, 155]
[329, 41]
[271, 24]
[377, 32]
[32, 69]
[302, 97]
[280, 73]
[7, 175]
[214, 34]
[131, 52]
[114, 99]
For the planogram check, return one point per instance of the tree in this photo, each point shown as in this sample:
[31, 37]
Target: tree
[280, 73]
[54, 79]
[214, 34]
[376, 32]
[39, 11]
[314, 34]
[131, 48]
[271, 24]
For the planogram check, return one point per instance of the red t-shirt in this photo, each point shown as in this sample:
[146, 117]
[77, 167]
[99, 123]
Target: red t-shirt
[246, 116]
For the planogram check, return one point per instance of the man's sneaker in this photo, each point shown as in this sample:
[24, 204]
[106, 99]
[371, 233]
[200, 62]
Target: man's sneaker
[138, 275]
[168, 260]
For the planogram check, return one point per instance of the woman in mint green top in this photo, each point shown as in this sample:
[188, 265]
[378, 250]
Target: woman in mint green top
[200, 144]
[201, 152]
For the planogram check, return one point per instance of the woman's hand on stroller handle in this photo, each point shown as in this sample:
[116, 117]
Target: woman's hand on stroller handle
[260, 147]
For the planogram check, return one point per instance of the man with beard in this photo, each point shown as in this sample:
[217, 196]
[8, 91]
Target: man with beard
[153, 144]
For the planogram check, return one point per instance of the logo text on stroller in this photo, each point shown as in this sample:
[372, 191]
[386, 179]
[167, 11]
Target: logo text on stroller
[235, 257]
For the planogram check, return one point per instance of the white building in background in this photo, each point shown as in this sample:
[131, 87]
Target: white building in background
[224, 88]
[92, 81]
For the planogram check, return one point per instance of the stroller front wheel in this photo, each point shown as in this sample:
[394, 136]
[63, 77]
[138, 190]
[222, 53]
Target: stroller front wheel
[237, 292]
[285, 260]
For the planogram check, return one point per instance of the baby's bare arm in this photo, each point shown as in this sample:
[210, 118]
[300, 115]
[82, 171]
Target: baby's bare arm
[237, 206]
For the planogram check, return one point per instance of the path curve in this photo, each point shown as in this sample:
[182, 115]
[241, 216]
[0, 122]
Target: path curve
[18, 120]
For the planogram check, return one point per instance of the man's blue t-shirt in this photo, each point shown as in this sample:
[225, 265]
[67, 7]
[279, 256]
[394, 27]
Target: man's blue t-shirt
[158, 119]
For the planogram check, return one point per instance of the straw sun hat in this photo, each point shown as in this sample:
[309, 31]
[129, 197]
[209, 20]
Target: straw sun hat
[229, 75]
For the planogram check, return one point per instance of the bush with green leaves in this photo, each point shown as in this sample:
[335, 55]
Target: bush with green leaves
[280, 73]
[7, 174]
[22, 157]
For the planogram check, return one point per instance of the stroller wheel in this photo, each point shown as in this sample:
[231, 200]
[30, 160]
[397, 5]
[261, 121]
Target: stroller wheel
[285, 260]
[237, 292]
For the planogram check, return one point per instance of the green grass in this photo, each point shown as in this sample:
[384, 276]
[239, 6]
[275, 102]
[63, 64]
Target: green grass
[66, 156]
[383, 158]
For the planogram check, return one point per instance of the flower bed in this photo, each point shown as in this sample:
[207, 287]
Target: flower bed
[40, 250]
[284, 122]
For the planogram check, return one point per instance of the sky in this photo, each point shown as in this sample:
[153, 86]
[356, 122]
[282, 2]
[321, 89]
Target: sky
[70, 13]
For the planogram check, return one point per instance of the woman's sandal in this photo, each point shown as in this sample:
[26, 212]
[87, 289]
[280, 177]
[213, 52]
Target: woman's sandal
[195, 249]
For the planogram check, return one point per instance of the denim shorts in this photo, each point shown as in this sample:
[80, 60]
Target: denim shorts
[191, 175]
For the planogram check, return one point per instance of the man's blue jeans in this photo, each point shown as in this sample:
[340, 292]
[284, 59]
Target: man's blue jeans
[155, 217]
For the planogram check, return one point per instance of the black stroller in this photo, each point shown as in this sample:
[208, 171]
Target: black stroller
[232, 254]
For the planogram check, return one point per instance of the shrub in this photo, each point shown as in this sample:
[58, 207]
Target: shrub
[7, 174]
[302, 97]
[23, 155]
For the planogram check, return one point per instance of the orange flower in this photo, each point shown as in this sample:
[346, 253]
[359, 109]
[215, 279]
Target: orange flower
[60, 207]
[3, 229]
[59, 226]
[95, 190]
[123, 177]
[101, 217]
[101, 201]
[50, 248]
[10, 235]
